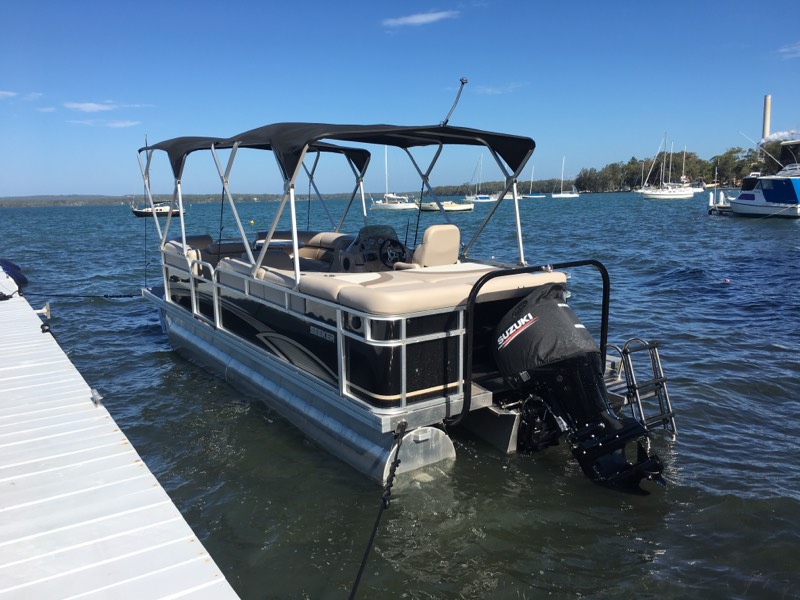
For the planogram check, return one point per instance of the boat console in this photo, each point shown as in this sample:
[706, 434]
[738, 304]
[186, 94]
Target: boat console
[376, 248]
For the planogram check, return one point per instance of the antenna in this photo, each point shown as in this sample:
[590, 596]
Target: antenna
[761, 148]
[447, 118]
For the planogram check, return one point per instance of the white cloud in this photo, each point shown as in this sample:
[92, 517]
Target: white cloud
[122, 124]
[780, 135]
[113, 124]
[33, 96]
[46, 109]
[89, 107]
[7, 94]
[791, 51]
[497, 90]
[421, 18]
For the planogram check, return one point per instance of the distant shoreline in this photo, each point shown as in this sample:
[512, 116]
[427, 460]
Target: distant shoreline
[65, 200]
[98, 200]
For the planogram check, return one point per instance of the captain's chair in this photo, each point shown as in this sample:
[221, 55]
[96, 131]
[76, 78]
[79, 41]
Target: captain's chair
[440, 246]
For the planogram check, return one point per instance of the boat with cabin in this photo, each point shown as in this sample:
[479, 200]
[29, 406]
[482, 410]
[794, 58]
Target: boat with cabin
[667, 193]
[159, 209]
[446, 206]
[390, 200]
[479, 196]
[772, 195]
[666, 189]
[379, 348]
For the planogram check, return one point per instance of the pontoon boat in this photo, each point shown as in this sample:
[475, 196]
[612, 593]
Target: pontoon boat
[367, 344]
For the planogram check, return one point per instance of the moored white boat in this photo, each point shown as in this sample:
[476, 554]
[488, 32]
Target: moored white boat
[667, 193]
[373, 348]
[572, 194]
[562, 194]
[773, 195]
[473, 198]
[393, 202]
[159, 209]
[530, 193]
[666, 189]
[446, 206]
[478, 196]
[496, 196]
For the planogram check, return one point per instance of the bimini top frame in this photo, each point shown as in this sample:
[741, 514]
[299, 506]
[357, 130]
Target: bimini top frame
[291, 142]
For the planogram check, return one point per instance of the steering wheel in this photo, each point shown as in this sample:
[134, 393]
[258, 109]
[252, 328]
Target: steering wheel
[392, 251]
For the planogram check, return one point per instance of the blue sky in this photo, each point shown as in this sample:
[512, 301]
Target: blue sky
[83, 82]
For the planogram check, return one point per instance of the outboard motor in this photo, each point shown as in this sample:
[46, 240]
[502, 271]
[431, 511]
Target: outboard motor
[545, 353]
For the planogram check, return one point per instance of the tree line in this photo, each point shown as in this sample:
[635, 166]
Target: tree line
[727, 169]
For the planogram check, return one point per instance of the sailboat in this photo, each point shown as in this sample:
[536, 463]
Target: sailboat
[667, 190]
[391, 201]
[562, 194]
[530, 193]
[477, 196]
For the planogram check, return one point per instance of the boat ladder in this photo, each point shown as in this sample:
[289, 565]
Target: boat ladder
[640, 393]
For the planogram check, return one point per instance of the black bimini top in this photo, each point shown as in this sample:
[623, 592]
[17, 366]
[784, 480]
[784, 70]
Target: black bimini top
[179, 148]
[290, 142]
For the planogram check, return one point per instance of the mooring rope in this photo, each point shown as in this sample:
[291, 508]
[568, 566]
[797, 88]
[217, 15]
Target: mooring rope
[107, 296]
[387, 492]
[775, 214]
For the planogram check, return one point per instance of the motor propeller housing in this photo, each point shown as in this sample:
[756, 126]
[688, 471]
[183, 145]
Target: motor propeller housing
[551, 360]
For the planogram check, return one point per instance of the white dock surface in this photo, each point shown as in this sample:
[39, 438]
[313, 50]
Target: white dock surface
[81, 515]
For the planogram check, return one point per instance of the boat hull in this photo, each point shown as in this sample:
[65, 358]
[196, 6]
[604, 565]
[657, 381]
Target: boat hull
[146, 212]
[446, 206]
[765, 209]
[363, 439]
[668, 195]
[393, 206]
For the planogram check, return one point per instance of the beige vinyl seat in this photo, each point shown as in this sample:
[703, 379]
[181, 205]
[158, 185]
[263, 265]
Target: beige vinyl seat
[440, 246]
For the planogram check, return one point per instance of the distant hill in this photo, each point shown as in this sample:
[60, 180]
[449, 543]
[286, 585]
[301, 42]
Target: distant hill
[68, 200]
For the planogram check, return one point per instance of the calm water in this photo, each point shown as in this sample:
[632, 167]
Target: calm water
[283, 519]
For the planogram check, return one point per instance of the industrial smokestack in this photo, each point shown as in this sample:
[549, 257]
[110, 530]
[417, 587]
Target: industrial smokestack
[767, 110]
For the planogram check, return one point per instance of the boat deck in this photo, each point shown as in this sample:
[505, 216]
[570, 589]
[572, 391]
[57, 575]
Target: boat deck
[81, 515]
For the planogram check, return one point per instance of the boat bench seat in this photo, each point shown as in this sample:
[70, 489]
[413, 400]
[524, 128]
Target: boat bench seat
[417, 290]
[317, 250]
[202, 247]
[217, 251]
[200, 242]
[176, 255]
[232, 272]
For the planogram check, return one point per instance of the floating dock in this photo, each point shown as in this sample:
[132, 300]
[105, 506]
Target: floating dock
[81, 515]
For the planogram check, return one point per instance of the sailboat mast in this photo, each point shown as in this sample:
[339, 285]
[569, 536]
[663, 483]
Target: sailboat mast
[671, 148]
[655, 159]
[683, 167]
[563, 158]
[530, 189]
